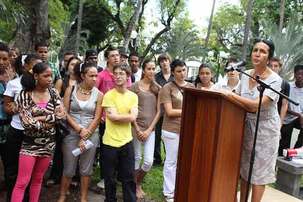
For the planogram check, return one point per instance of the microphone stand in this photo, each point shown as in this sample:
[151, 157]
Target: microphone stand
[262, 86]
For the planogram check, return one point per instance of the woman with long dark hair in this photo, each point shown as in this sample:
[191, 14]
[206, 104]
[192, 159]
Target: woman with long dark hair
[83, 103]
[40, 106]
[144, 126]
[204, 77]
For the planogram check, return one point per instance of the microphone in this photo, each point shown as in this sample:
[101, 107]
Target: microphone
[235, 66]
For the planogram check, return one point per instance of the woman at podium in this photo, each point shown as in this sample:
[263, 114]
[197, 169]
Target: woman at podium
[269, 126]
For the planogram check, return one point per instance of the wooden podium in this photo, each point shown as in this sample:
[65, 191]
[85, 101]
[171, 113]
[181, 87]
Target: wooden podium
[210, 147]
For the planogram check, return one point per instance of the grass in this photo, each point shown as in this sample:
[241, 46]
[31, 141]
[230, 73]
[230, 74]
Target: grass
[152, 184]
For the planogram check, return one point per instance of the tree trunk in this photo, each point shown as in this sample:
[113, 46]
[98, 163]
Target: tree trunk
[210, 23]
[282, 10]
[35, 27]
[80, 14]
[132, 24]
[248, 22]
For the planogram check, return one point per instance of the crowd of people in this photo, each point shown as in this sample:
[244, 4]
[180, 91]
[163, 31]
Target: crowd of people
[121, 112]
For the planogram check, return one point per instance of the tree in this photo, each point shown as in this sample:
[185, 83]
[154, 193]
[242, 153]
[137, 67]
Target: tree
[282, 10]
[288, 44]
[79, 24]
[35, 27]
[120, 13]
[24, 23]
[248, 22]
[183, 41]
[210, 23]
[228, 29]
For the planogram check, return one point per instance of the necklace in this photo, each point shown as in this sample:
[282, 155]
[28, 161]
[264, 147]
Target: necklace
[85, 92]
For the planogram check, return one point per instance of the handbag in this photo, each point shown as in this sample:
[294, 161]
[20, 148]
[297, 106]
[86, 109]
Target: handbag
[61, 126]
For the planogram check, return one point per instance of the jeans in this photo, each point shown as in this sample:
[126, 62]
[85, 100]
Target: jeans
[119, 160]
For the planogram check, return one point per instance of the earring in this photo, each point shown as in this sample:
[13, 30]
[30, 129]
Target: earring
[36, 81]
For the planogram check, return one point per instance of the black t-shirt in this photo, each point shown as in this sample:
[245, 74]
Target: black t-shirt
[285, 90]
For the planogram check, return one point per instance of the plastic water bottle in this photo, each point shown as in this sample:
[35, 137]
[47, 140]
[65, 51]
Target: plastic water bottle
[88, 144]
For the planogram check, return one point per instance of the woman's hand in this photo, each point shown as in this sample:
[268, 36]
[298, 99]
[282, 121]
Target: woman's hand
[12, 107]
[60, 112]
[146, 134]
[140, 135]
[82, 145]
[228, 93]
[85, 133]
[143, 135]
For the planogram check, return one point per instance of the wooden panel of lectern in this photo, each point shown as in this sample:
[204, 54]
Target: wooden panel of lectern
[210, 147]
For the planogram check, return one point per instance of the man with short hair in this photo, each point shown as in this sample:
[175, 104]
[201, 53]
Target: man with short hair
[123, 55]
[66, 56]
[134, 63]
[91, 56]
[121, 107]
[42, 51]
[276, 65]
[105, 82]
[294, 117]
[162, 78]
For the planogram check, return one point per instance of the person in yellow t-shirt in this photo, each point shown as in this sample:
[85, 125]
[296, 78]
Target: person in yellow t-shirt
[121, 108]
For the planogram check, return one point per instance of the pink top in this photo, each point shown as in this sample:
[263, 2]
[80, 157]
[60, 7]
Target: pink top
[105, 81]
[42, 105]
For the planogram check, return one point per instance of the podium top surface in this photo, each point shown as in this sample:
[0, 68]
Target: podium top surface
[212, 93]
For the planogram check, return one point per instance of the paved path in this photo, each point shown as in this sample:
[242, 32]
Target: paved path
[274, 195]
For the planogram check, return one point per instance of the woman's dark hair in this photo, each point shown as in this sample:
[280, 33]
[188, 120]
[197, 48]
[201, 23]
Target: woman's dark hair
[298, 67]
[24, 59]
[175, 63]
[203, 65]
[70, 60]
[82, 68]
[154, 87]
[269, 43]
[145, 62]
[28, 80]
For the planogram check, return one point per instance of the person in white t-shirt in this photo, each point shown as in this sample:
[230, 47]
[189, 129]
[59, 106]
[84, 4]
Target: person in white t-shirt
[294, 116]
[134, 63]
[231, 81]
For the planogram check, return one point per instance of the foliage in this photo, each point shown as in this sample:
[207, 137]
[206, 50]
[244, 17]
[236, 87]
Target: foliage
[10, 13]
[182, 41]
[58, 19]
[288, 44]
[228, 29]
